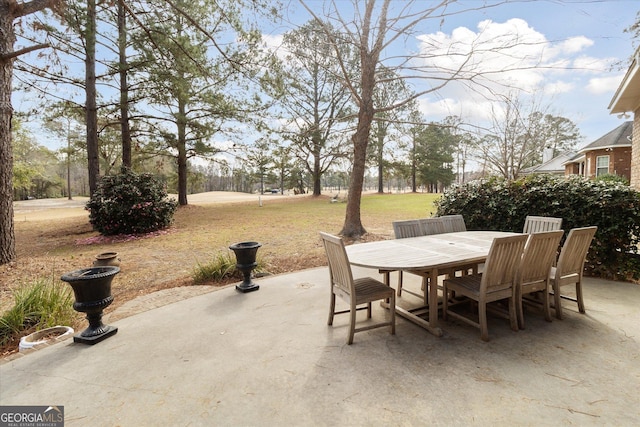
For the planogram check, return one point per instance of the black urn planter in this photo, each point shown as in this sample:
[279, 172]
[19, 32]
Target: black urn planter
[92, 290]
[245, 262]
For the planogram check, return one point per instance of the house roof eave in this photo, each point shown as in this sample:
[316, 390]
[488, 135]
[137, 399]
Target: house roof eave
[627, 96]
[605, 147]
[551, 165]
[576, 159]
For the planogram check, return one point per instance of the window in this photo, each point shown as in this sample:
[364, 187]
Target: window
[602, 165]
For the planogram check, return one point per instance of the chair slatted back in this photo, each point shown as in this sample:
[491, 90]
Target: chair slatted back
[432, 226]
[453, 223]
[539, 255]
[574, 251]
[339, 267]
[539, 224]
[503, 261]
[407, 228]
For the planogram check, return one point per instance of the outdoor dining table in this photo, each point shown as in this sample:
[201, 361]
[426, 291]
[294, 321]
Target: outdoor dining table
[426, 256]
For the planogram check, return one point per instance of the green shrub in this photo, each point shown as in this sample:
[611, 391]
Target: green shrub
[130, 203]
[38, 305]
[221, 268]
[613, 178]
[498, 204]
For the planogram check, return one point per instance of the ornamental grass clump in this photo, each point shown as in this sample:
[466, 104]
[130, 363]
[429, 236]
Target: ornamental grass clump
[130, 203]
[222, 268]
[37, 305]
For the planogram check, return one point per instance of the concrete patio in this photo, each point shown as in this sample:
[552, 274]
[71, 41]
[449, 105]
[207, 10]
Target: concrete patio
[268, 358]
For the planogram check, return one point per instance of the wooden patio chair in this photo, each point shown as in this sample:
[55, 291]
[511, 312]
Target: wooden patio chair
[496, 282]
[571, 266]
[432, 226]
[538, 224]
[407, 228]
[453, 223]
[355, 292]
[533, 275]
[402, 230]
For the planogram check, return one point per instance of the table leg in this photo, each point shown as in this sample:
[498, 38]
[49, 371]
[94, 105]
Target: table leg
[386, 280]
[433, 300]
[432, 297]
[435, 330]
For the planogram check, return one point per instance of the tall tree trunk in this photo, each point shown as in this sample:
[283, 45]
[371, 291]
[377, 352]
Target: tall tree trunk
[282, 172]
[182, 154]
[464, 164]
[317, 186]
[69, 160]
[124, 88]
[7, 39]
[379, 156]
[414, 166]
[368, 63]
[353, 223]
[9, 11]
[91, 109]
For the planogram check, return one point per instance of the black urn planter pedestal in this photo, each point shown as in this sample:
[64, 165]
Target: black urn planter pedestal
[92, 290]
[246, 261]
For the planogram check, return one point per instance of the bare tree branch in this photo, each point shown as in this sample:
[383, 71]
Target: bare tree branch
[16, 53]
[24, 9]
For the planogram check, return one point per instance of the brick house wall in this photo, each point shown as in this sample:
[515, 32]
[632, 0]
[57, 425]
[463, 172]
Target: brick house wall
[572, 169]
[635, 158]
[619, 161]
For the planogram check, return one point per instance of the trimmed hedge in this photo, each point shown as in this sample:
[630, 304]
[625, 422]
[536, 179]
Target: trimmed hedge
[498, 204]
[130, 203]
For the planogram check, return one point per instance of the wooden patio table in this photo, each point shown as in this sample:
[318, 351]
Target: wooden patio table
[425, 255]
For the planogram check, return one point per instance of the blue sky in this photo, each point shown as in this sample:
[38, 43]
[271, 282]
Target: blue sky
[601, 24]
[586, 36]
[578, 42]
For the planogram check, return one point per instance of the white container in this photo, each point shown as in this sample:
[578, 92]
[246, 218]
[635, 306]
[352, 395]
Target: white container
[38, 337]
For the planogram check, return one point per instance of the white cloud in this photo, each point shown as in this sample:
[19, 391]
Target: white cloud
[226, 144]
[273, 43]
[575, 44]
[600, 85]
[272, 40]
[589, 63]
[499, 58]
[498, 54]
[553, 88]
[479, 110]
[440, 108]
